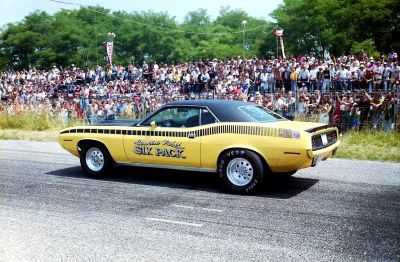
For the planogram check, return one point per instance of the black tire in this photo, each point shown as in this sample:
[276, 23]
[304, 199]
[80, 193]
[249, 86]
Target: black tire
[241, 170]
[98, 167]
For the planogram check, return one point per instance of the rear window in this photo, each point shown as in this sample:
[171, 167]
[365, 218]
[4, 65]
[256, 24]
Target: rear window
[260, 114]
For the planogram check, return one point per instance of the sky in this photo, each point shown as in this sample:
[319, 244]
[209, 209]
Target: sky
[12, 11]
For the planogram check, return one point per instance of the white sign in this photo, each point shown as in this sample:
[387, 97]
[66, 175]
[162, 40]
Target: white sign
[110, 52]
[282, 47]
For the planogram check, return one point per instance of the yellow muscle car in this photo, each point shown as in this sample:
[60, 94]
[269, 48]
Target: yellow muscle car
[241, 142]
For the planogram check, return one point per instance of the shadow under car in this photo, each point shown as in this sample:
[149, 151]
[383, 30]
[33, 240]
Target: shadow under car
[273, 186]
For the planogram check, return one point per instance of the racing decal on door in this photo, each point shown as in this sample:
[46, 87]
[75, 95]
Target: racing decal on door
[164, 148]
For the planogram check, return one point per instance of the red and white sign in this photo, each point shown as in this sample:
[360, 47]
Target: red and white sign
[109, 48]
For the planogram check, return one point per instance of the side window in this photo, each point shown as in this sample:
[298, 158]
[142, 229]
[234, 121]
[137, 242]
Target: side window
[206, 117]
[176, 117]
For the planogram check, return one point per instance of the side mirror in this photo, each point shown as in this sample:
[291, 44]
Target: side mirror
[153, 124]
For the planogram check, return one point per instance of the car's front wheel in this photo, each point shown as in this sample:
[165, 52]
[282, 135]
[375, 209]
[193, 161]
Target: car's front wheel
[95, 160]
[241, 170]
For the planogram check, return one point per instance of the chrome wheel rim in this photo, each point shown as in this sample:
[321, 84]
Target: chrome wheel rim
[239, 171]
[94, 159]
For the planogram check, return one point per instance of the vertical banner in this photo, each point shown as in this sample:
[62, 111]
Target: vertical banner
[282, 47]
[110, 52]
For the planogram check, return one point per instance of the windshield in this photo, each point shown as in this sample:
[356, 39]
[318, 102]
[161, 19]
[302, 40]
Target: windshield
[260, 114]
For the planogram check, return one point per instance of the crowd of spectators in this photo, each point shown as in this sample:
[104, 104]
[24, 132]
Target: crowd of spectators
[353, 92]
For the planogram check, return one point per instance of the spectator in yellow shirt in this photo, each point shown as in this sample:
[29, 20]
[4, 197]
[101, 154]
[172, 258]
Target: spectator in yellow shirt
[293, 79]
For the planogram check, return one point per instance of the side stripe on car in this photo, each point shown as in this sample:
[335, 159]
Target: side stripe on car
[199, 132]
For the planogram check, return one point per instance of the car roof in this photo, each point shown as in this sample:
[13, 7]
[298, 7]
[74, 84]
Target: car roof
[224, 110]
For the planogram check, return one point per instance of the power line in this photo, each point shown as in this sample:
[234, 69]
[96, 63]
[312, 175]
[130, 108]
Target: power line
[154, 26]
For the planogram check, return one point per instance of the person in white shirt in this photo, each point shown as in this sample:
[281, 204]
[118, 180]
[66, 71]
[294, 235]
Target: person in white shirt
[263, 76]
[278, 104]
[304, 76]
[378, 73]
[385, 76]
[395, 75]
[353, 80]
[313, 78]
[311, 60]
[392, 56]
[342, 75]
[204, 79]
[186, 82]
[361, 77]
[110, 109]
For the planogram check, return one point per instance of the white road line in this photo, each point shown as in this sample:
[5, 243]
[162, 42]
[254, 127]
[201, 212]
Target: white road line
[183, 223]
[201, 208]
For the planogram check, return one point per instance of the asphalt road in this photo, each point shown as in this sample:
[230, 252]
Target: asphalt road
[340, 210]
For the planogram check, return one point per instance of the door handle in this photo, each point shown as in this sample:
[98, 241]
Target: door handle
[191, 135]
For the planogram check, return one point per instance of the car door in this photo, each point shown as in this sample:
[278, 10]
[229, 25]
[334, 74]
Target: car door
[171, 141]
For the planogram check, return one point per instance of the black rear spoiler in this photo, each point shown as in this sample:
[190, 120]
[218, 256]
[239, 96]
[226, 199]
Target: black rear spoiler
[315, 129]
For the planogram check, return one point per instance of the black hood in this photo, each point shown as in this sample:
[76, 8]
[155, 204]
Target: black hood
[119, 122]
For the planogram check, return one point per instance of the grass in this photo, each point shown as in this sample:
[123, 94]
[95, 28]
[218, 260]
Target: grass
[31, 126]
[370, 146]
[17, 134]
[27, 121]
[33, 121]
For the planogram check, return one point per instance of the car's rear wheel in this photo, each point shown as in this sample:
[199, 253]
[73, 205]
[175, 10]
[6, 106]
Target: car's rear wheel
[241, 170]
[95, 160]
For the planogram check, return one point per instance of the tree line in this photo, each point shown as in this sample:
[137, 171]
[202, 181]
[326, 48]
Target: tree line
[77, 36]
